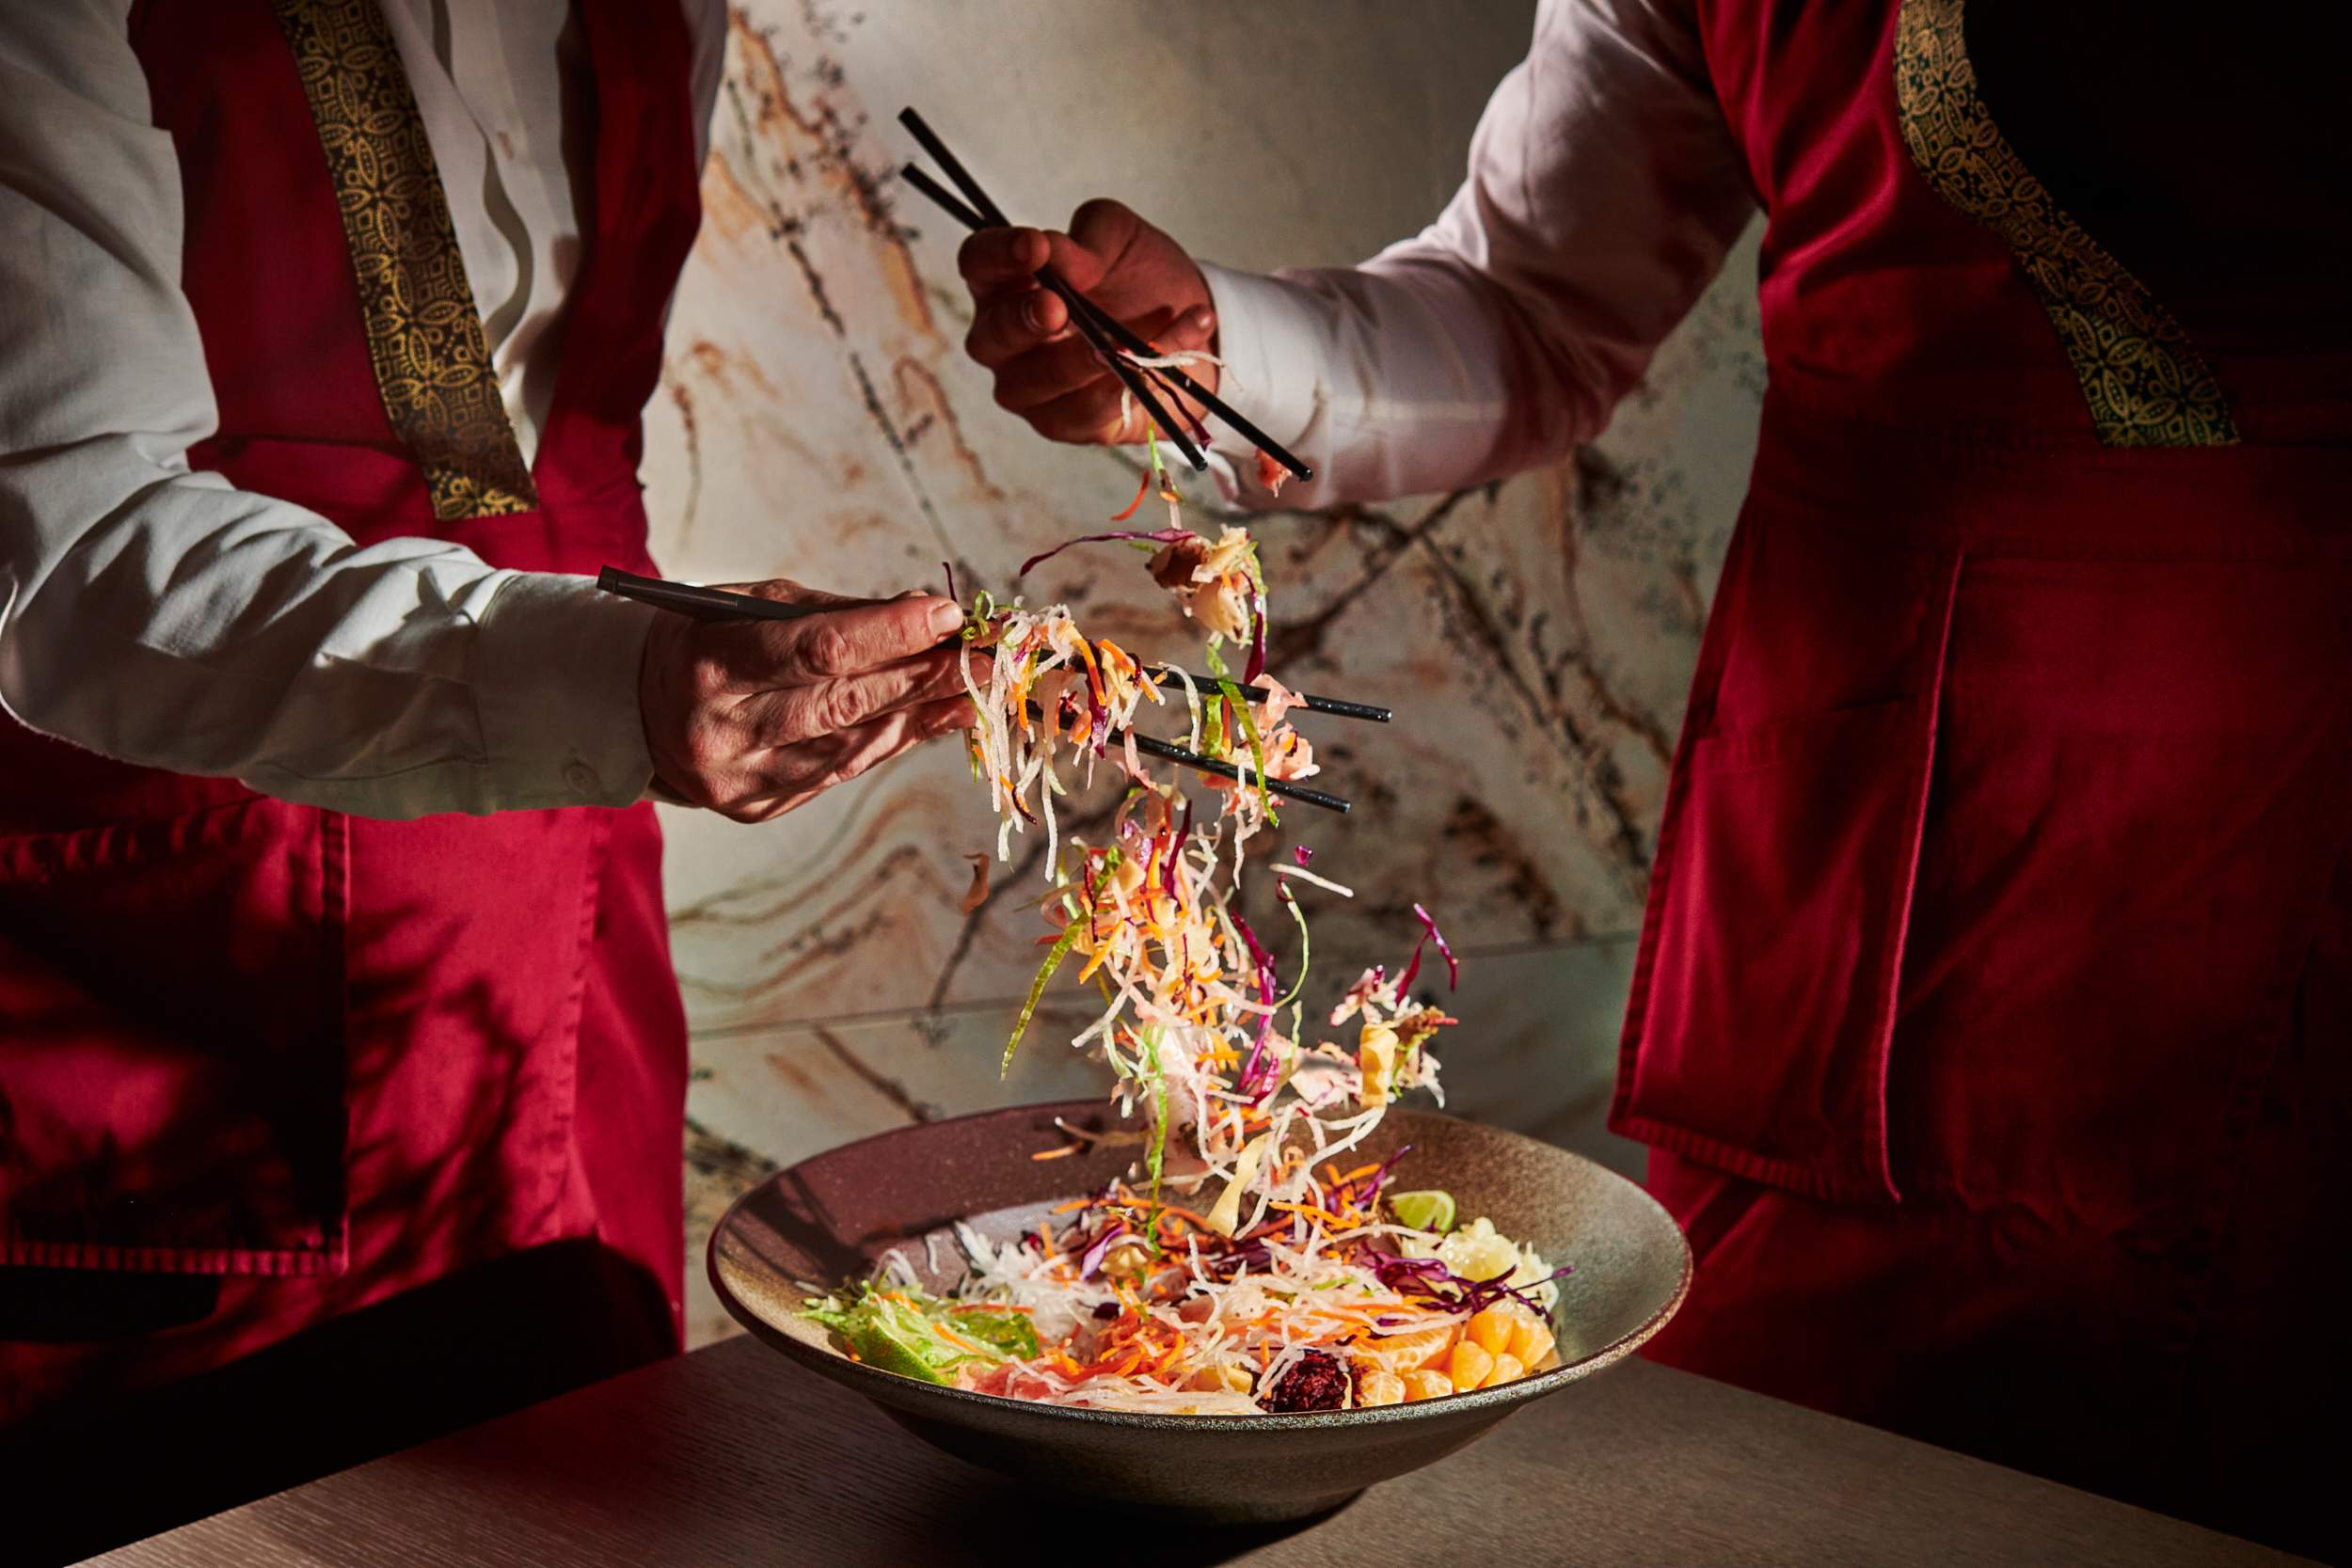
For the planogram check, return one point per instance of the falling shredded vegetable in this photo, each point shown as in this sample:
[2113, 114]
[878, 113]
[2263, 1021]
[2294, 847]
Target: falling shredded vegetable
[1250, 1266]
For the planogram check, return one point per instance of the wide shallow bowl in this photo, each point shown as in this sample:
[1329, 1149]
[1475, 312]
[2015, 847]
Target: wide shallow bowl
[830, 1219]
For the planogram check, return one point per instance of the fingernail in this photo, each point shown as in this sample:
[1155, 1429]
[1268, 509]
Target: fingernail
[1033, 314]
[1201, 319]
[945, 617]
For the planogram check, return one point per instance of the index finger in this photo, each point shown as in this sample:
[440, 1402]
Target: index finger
[836, 643]
[784, 590]
[994, 258]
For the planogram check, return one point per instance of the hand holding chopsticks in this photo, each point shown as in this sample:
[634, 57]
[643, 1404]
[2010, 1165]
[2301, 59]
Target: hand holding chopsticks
[1112, 343]
[752, 717]
[692, 602]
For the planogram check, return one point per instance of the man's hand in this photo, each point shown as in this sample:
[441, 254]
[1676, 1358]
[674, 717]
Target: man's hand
[753, 718]
[1045, 371]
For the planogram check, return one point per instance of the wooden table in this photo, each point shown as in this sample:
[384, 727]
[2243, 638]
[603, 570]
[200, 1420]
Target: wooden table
[732, 1455]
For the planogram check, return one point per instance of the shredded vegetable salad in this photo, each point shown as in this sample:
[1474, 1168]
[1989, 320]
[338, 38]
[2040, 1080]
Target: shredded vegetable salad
[1246, 1264]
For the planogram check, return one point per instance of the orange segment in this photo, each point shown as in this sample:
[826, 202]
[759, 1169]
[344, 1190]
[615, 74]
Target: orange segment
[1404, 1352]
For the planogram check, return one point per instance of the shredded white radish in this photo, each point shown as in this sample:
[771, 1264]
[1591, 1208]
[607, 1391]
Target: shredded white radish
[1298, 1283]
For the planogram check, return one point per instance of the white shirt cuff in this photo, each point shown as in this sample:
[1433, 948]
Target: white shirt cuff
[1271, 336]
[556, 683]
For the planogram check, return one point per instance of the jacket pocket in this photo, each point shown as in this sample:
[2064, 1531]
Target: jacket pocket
[1764, 995]
[171, 1044]
[1766, 988]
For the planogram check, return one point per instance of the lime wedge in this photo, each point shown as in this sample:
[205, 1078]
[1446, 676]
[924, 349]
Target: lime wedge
[879, 1345]
[1423, 1211]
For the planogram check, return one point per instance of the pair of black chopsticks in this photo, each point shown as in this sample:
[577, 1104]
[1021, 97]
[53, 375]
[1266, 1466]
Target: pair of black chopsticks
[1103, 332]
[717, 604]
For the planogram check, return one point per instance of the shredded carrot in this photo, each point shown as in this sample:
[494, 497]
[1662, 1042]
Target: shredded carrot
[957, 1339]
[1062, 1154]
[1134, 506]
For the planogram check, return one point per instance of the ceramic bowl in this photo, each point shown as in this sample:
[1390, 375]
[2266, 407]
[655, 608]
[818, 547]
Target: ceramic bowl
[829, 1219]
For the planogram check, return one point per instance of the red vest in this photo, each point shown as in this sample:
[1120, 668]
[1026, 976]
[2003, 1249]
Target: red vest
[2001, 726]
[2001, 898]
[247, 1038]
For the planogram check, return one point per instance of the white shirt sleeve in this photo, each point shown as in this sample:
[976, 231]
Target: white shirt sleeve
[1604, 188]
[163, 617]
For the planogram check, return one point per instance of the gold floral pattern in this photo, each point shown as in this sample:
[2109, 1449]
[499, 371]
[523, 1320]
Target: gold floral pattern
[425, 334]
[2146, 383]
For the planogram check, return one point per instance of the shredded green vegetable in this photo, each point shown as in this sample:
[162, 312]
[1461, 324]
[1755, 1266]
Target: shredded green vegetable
[1156, 1160]
[1054, 956]
[1249, 728]
[983, 608]
[1298, 918]
[898, 1330]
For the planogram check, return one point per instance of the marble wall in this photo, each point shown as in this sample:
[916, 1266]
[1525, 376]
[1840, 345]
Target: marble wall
[817, 421]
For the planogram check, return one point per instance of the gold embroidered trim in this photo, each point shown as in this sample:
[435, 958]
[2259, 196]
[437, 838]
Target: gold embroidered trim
[425, 334]
[2146, 383]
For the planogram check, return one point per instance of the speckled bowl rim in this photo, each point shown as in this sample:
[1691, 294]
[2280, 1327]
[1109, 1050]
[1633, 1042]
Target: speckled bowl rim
[893, 1389]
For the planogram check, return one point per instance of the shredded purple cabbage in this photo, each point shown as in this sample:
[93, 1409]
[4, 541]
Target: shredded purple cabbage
[1429, 931]
[1380, 1178]
[1167, 868]
[949, 567]
[1257, 1074]
[1157, 535]
[1431, 1280]
[1101, 716]
[1300, 853]
[1257, 635]
[1091, 1262]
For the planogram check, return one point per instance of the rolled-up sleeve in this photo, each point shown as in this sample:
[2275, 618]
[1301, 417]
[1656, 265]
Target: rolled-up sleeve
[163, 616]
[1603, 191]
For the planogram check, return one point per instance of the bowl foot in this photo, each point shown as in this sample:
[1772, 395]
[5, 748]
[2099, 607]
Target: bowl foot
[1126, 1479]
[1255, 1519]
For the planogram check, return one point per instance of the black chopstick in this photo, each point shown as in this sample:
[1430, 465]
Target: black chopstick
[1130, 376]
[921, 131]
[703, 604]
[1167, 751]
[1337, 707]
[1200, 394]
[944, 198]
[1095, 337]
[984, 213]
[1085, 314]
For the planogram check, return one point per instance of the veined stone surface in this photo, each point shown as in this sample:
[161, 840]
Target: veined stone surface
[817, 420]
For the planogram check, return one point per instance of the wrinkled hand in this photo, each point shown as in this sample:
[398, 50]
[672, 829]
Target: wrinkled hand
[1045, 371]
[753, 718]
